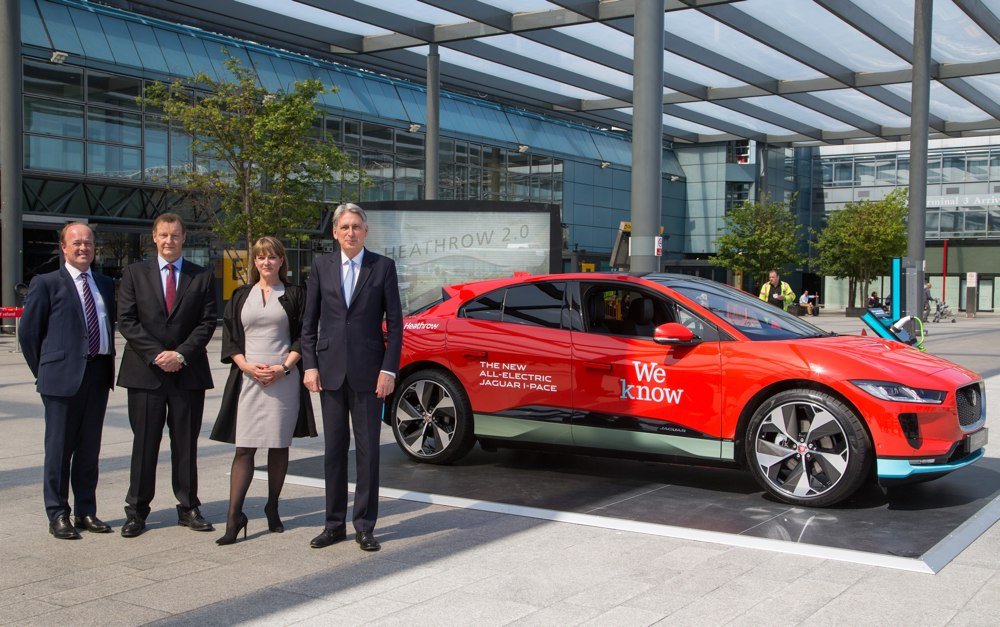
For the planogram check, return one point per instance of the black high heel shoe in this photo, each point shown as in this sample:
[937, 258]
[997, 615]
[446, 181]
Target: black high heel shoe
[232, 532]
[273, 521]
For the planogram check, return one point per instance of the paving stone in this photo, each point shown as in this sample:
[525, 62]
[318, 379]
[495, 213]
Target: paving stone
[20, 612]
[265, 607]
[790, 603]
[105, 612]
[625, 617]
[559, 614]
[459, 609]
[96, 590]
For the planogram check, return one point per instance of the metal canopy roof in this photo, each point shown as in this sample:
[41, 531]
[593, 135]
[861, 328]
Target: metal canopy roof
[776, 71]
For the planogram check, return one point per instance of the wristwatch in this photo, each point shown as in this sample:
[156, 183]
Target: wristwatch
[180, 358]
[287, 370]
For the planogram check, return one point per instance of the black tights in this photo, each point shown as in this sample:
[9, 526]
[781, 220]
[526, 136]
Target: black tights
[242, 475]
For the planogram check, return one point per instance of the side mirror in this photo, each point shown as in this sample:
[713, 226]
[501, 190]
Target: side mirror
[673, 333]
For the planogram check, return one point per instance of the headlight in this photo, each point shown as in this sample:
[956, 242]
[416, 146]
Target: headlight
[889, 391]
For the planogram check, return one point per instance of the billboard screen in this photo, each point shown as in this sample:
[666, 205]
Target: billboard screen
[434, 248]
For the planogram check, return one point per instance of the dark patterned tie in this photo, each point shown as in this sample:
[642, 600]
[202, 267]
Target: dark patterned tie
[171, 287]
[90, 311]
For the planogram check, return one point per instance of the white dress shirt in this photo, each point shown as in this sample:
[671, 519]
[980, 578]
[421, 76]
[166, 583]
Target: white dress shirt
[102, 311]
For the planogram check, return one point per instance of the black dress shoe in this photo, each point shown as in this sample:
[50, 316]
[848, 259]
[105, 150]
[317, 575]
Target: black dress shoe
[193, 520]
[367, 541]
[133, 527]
[61, 528]
[328, 537]
[93, 524]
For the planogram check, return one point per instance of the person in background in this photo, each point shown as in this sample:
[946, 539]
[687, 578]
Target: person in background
[167, 314]
[873, 300]
[264, 404]
[777, 292]
[806, 304]
[67, 338]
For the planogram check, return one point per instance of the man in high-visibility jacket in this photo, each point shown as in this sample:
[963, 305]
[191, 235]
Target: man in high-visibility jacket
[777, 292]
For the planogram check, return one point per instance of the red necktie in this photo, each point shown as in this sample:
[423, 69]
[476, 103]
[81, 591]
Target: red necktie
[171, 287]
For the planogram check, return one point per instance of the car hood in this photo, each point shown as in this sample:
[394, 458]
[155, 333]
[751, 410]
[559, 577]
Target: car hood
[852, 356]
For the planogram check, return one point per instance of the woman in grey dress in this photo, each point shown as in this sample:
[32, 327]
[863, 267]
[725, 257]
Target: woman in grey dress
[264, 404]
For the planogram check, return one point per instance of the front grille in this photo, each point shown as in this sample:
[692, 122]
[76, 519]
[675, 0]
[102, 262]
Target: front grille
[970, 404]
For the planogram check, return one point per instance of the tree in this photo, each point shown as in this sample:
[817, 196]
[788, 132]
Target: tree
[258, 167]
[758, 237]
[860, 240]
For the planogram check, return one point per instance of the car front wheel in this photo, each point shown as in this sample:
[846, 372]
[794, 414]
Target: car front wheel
[431, 417]
[807, 448]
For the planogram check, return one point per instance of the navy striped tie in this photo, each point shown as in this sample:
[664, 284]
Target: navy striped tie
[90, 310]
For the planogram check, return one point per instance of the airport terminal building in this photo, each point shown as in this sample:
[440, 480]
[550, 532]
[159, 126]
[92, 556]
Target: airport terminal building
[90, 151]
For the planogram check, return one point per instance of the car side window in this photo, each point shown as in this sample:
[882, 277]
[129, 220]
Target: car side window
[618, 310]
[487, 307]
[539, 304]
[698, 326]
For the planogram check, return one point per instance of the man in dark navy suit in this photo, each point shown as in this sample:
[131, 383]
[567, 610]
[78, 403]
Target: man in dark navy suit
[67, 338]
[348, 361]
[167, 314]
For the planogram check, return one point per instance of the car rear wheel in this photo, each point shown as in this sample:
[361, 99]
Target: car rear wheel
[431, 417]
[807, 448]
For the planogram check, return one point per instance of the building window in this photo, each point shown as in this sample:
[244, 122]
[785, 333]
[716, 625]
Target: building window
[53, 117]
[738, 151]
[53, 154]
[736, 195]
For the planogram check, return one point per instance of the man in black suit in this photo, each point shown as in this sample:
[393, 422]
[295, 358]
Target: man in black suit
[167, 314]
[348, 361]
[67, 338]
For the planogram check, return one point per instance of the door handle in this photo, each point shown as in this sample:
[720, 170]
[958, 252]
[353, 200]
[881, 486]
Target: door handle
[598, 366]
[475, 354]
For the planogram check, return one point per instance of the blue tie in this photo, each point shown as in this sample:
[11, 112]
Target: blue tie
[349, 283]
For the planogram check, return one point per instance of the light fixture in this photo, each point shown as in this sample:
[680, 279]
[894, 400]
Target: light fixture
[674, 178]
[522, 148]
[414, 127]
[605, 165]
[58, 56]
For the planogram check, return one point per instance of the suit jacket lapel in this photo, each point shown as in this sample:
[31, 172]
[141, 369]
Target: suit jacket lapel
[107, 290]
[337, 269]
[183, 282]
[363, 274]
[67, 281]
[153, 273]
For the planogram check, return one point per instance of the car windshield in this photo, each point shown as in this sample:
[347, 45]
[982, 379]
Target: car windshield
[751, 316]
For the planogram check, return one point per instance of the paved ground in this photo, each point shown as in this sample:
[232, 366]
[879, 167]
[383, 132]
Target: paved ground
[439, 565]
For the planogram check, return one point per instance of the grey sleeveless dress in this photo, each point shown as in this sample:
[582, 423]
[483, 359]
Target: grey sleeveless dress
[265, 416]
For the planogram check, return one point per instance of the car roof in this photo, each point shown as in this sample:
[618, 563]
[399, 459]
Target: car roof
[664, 278]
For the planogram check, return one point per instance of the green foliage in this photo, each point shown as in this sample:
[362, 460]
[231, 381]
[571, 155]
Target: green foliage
[758, 237]
[259, 170]
[860, 240]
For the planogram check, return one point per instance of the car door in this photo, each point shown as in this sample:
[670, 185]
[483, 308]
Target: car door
[511, 353]
[633, 394]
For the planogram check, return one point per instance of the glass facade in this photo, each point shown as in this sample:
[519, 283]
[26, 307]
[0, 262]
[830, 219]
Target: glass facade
[963, 187]
[103, 132]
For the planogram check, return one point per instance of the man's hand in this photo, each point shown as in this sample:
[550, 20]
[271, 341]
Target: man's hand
[167, 361]
[311, 380]
[386, 384]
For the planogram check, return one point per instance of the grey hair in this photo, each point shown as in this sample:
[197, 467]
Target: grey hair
[349, 207]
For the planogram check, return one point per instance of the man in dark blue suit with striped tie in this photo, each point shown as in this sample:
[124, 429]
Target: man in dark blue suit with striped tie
[67, 338]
